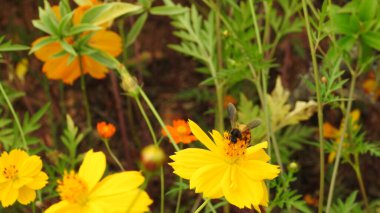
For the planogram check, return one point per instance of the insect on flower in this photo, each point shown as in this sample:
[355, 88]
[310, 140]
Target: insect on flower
[240, 131]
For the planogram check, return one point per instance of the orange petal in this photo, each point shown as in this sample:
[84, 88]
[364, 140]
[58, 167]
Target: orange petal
[47, 51]
[329, 131]
[59, 69]
[94, 68]
[107, 41]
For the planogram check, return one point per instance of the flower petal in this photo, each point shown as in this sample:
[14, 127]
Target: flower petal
[187, 161]
[31, 166]
[9, 195]
[107, 41]
[47, 51]
[218, 138]
[94, 68]
[258, 170]
[63, 207]
[206, 180]
[260, 155]
[17, 157]
[92, 168]
[39, 181]
[201, 135]
[26, 195]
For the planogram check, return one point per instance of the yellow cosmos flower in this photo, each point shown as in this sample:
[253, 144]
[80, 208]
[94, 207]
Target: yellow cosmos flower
[20, 177]
[330, 132]
[61, 68]
[232, 170]
[84, 192]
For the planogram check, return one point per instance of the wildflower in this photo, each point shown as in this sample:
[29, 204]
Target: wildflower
[20, 177]
[371, 87]
[330, 132]
[83, 192]
[105, 130]
[310, 200]
[66, 67]
[232, 170]
[180, 132]
[152, 157]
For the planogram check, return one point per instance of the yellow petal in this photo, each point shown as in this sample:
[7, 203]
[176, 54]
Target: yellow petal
[331, 157]
[39, 181]
[31, 166]
[218, 138]
[18, 156]
[26, 195]
[260, 155]
[258, 170]
[329, 131]
[187, 161]
[107, 41]
[119, 192]
[255, 148]
[201, 135]
[63, 207]
[9, 195]
[206, 180]
[92, 168]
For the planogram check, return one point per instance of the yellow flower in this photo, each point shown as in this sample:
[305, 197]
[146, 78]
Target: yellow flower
[20, 177]
[232, 170]
[82, 192]
[330, 132]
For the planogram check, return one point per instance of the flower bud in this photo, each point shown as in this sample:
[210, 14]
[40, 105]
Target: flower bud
[152, 157]
[129, 84]
[293, 166]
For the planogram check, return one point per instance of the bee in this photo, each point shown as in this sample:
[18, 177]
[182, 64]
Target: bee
[238, 131]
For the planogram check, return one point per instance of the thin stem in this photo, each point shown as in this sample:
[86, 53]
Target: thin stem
[360, 180]
[263, 90]
[15, 117]
[84, 94]
[202, 206]
[113, 155]
[320, 112]
[219, 124]
[158, 117]
[211, 207]
[340, 145]
[146, 120]
[162, 180]
[178, 205]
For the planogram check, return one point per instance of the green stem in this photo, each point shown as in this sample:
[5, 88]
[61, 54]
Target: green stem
[340, 145]
[219, 124]
[52, 122]
[113, 155]
[18, 124]
[202, 206]
[211, 207]
[178, 205]
[263, 91]
[158, 117]
[137, 99]
[84, 94]
[162, 180]
[360, 181]
[320, 112]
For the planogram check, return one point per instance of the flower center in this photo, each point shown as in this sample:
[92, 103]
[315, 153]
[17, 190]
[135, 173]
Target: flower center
[10, 172]
[182, 130]
[234, 150]
[72, 188]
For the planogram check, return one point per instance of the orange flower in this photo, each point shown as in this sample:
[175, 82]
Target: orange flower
[180, 131]
[371, 87]
[62, 67]
[310, 200]
[330, 132]
[105, 130]
[229, 99]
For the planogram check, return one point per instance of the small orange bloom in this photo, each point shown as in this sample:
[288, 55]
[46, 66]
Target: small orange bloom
[229, 99]
[180, 131]
[105, 130]
[310, 200]
[371, 87]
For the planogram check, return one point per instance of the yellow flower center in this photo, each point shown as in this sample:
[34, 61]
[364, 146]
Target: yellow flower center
[10, 172]
[181, 130]
[234, 150]
[72, 188]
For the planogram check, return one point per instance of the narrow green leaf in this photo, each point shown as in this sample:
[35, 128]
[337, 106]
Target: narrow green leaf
[136, 29]
[168, 10]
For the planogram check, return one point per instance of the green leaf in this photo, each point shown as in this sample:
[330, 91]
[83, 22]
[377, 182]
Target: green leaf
[344, 24]
[372, 39]
[107, 12]
[68, 48]
[168, 10]
[105, 59]
[367, 9]
[83, 28]
[12, 47]
[136, 29]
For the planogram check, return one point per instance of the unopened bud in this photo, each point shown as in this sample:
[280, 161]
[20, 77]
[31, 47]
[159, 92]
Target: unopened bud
[226, 33]
[293, 166]
[324, 79]
[129, 84]
[152, 157]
